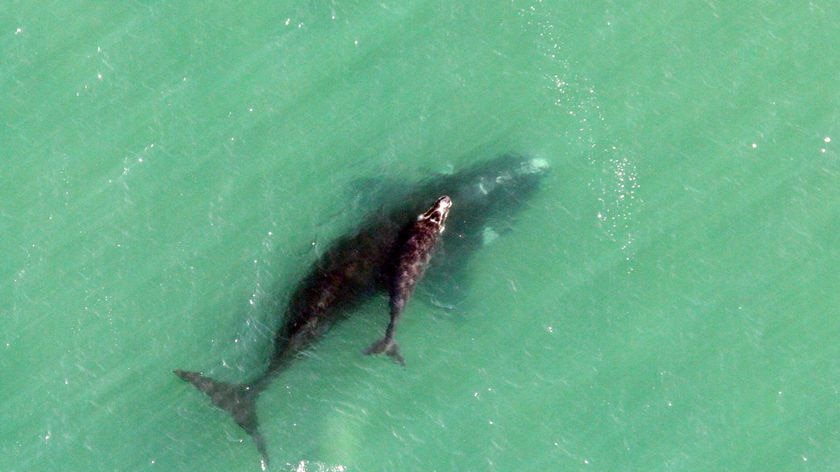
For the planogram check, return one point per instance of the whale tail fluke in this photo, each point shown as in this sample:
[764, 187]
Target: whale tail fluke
[389, 347]
[237, 399]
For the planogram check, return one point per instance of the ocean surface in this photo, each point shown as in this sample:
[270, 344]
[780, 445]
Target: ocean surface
[669, 300]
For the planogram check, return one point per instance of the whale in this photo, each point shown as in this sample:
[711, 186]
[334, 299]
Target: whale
[412, 258]
[379, 256]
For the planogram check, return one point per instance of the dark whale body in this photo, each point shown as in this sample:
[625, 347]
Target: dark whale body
[357, 266]
[411, 258]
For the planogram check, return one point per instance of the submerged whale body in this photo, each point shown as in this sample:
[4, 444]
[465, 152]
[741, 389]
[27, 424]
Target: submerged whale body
[373, 259]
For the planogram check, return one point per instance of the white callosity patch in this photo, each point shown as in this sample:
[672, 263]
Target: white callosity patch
[535, 166]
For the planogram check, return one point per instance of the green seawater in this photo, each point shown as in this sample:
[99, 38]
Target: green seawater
[668, 301]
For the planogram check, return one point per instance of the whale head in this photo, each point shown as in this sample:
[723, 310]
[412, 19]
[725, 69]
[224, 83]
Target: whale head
[437, 213]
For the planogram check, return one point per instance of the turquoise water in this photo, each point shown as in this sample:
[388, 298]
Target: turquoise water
[667, 301]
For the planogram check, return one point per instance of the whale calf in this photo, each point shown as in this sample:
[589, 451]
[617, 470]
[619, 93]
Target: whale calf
[365, 262]
[412, 258]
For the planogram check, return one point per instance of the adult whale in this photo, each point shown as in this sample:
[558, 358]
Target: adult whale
[357, 266]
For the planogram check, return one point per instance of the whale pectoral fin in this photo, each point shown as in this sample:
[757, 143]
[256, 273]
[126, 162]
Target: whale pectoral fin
[389, 347]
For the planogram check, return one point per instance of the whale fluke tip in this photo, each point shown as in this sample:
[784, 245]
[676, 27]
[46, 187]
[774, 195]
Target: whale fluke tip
[237, 399]
[389, 347]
